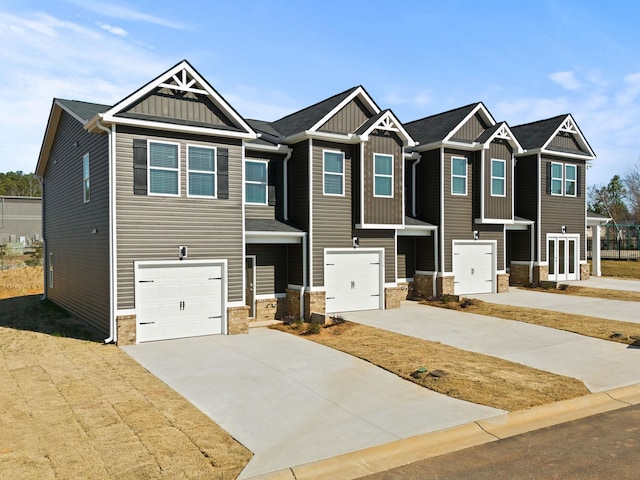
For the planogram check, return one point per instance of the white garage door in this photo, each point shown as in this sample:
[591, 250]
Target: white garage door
[178, 300]
[473, 267]
[353, 280]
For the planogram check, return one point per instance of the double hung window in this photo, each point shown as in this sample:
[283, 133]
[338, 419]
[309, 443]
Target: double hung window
[498, 178]
[256, 178]
[458, 175]
[333, 173]
[164, 169]
[382, 175]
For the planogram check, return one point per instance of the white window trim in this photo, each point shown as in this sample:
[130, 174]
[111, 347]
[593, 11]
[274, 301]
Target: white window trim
[566, 179]
[552, 178]
[265, 183]
[465, 176]
[214, 172]
[503, 178]
[383, 175]
[86, 177]
[324, 172]
[149, 168]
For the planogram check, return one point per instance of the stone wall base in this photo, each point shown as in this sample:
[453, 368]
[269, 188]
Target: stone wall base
[292, 303]
[269, 309]
[238, 320]
[585, 271]
[126, 328]
[540, 273]
[503, 283]
[519, 274]
[393, 296]
[422, 286]
[314, 302]
[445, 285]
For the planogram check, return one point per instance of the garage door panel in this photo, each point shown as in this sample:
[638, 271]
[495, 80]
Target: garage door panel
[352, 281]
[473, 268]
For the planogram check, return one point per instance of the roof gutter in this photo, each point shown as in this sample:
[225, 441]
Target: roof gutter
[335, 137]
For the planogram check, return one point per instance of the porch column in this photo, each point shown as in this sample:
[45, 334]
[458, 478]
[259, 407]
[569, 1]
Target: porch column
[595, 250]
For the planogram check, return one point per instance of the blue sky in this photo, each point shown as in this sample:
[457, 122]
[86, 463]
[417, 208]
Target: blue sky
[526, 60]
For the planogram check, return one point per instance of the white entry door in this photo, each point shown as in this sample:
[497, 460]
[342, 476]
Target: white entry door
[474, 267]
[563, 257]
[353, 280]
[178, 300]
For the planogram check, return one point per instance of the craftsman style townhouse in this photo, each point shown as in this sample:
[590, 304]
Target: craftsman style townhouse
[169, 215]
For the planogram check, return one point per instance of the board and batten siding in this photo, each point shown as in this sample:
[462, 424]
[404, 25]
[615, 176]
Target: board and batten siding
[153, 227]
[557, 210]
[471, 129]
[496, 207]
[80, 256]
[566, 142]
[348, 119]
[381, 210]
[332, 223]
[381, 239]
[191, 108]
[271, 268]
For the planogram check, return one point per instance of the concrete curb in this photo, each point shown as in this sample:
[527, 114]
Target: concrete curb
[380, 458]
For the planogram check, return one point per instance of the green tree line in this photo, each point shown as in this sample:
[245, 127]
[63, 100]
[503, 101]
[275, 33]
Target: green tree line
[19, 184]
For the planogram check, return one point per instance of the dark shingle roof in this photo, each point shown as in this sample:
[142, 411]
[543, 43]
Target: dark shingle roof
[363, 128]
[268, 225]
[268, 134]
[437, 127]
[84, 110]
[486, 135]
[536, 134]
[414, 222]
[307, 117]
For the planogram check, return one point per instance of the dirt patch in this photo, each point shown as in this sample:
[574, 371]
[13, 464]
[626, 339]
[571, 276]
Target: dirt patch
[73, 408]
[19, 281]
[613, 330]
[458, 373]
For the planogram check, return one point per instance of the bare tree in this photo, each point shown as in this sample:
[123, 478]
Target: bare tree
[632, 185]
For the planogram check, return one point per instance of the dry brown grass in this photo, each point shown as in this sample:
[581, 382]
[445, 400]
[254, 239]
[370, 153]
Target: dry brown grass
[624, 295]
[20, 281]
[72, 408]
[621, 268]
[581, 324]
[468, 376]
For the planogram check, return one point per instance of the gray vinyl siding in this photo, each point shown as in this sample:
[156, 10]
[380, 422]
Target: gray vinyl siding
[380, 210]
[152, 227]
[557, 211]
[471, 129]
[332, 222]
[425, 259]
[381, 239]
[498, 207]
[566, 142]
[428, 187]
[348, 119]
[458, 209]
[190, 108]
[526, 187]
[406, 257]
[81, 258]
[298, 185]
[271, 268]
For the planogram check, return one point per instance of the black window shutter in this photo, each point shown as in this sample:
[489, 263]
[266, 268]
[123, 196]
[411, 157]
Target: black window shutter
[223, 173]
[273, 182]
[578, 180]
[548, 178]
[139, 166]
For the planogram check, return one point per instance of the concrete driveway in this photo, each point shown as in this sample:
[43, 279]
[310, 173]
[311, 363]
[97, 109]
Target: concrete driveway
[292, 401]
[594, 307]
[609, 283]
[600, 364]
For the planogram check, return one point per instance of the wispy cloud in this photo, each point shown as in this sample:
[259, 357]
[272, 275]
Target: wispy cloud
[121, 32]
[113, 10]
[566, 80]
[418, 99]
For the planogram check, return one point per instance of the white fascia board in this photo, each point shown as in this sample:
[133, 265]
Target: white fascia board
[184, 65]
[586, 158]
[169, 127]
[280, 148]
[471, 147]
[357, 92]
[597, 222]
[415, 232]
[479, 108]
[494, 221]
[334, 137]
[378, 226]
[273, 237]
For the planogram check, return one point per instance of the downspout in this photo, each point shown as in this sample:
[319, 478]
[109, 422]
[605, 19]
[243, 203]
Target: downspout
[304, 274]
[45, 256]
[436, 263]
[113, 337]
[413, 185]
[285, 186]
[532, 254]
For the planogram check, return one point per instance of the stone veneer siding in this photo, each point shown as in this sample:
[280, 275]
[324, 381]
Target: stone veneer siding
[292, 303]
[126, 326]
[238, 320]
[585, 271]
[519, 274]
[445, 285]
[393, 296]
[503, 283]
[314, 302]
[540, 273]
[422, 286]
[269, 309]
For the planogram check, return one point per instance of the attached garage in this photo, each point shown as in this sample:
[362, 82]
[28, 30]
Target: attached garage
[354, 279]
[178, 299]
[474, 267]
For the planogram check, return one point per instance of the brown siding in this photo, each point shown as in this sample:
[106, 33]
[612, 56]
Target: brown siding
[379, 210]
[425, 259]
[298, 185]
[152, 227]
[348, 119]
[472, 129]
[189, 108]
[81, 258]
[381, 239]
[271, 268]
[557, 211]
[428, 187]
[566, 142]
[406, 257]
[332, 222]
[498, 207]
[526, 187]
[294, 266]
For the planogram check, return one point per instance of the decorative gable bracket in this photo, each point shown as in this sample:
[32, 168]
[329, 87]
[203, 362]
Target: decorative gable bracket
[184, 82]
[387, 121]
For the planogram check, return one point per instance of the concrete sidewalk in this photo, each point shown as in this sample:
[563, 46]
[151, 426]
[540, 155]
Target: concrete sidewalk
[609, 283]
[594, 307]
[292, 401]
[600, 364]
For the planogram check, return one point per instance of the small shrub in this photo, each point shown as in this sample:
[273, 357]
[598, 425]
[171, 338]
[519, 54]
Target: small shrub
[467, 302]
[312, 329]
[289, 319]
[563, 286]
[337, 320]
[435, 298]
